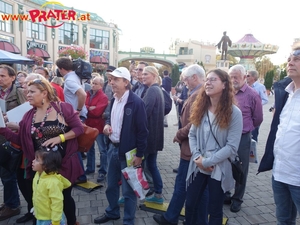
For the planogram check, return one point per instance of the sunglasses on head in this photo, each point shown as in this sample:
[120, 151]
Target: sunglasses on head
[296, 52]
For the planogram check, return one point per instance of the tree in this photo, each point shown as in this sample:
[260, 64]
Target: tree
[202, 65]
[282, 74]
[175, 75]
[263, 65]
[269, 79]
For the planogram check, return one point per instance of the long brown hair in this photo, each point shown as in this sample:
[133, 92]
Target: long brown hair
[224, 108]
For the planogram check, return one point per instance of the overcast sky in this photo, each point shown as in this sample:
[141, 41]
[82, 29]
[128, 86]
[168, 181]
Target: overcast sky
[155, 23]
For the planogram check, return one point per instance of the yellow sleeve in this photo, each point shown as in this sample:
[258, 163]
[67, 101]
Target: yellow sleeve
[55, 223]
[56, 200]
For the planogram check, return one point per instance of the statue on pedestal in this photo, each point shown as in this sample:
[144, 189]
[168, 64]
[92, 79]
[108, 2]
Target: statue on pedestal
[225, 42]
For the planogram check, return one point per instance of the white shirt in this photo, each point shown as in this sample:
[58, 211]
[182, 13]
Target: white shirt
[116, 119]
[286, 167]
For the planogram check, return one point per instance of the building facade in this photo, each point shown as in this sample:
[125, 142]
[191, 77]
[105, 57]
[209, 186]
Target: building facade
[22, 33]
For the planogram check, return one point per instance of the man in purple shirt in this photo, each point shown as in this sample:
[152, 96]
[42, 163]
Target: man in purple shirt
[249, 102]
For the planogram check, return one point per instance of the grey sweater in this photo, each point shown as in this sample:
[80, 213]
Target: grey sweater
[206, 146]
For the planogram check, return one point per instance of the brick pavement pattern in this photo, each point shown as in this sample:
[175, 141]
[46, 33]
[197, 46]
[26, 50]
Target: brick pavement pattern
[258, 206]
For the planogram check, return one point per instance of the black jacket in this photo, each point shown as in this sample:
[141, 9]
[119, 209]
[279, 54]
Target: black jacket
[281, 97]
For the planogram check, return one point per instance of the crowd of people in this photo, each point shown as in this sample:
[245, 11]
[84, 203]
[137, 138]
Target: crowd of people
[218, 113]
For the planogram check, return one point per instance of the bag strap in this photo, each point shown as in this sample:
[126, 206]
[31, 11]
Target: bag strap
[213, 132]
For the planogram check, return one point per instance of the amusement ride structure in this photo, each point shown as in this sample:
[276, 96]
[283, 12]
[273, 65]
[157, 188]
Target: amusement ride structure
[248, 48]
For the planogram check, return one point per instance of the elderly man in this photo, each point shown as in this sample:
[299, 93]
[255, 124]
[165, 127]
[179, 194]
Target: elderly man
[13, 97]
[129, 110]
[282, 148]
[252, 81]
[249, 103]
[193, 76]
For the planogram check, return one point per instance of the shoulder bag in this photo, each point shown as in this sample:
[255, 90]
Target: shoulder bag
[85, 140]
[236, 165]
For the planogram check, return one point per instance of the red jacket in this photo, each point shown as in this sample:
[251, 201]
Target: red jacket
[94, 117]
[59, 91]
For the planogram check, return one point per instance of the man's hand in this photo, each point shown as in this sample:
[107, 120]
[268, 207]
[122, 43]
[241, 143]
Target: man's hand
[107, 130]
[137, 161]
[176, 140]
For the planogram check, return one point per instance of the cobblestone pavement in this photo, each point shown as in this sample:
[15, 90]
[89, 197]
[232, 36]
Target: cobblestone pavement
[258, 206]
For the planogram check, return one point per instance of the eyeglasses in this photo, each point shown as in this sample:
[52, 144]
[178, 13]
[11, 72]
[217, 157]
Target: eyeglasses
[296, 52]
[211, 79]
[139, 69]
[20, 75]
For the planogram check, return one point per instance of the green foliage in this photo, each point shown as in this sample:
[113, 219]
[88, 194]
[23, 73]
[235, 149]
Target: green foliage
[175, 75]
[269, 79]
[282, 74]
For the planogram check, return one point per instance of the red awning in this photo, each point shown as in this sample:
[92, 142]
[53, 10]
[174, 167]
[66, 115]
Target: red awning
[38, 52]
[9, 47]
[98, 59]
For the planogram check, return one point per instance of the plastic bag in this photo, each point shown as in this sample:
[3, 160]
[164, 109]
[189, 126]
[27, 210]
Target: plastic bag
[137, 181]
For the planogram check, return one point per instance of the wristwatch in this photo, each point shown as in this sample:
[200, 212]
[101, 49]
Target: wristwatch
[79, 110]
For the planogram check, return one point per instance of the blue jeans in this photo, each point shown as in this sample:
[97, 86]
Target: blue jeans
[114, 174]
[287, 201]
[194, 196]
[255, 133]
[90, 164]
[177, 202]
[83, 176]
[152, 167]
[10, 188]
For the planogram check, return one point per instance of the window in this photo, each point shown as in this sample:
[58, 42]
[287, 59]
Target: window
[183, 51]
[36, 31]
[99, 39]
[6, 25]
[68, 34]
[191, 51]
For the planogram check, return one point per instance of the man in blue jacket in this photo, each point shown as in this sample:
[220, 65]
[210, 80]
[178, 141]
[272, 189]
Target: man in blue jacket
[127, 130]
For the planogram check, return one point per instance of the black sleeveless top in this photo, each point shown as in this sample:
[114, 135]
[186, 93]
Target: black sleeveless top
[50, 130]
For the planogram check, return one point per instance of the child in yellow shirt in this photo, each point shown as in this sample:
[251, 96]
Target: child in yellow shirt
[48, 186]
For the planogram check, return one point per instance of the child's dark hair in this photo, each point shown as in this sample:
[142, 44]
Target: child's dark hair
[51, 159]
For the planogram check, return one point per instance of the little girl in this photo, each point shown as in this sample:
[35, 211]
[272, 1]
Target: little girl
[48, 186]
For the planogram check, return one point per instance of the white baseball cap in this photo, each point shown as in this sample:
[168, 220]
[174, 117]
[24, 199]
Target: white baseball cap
[121, 72]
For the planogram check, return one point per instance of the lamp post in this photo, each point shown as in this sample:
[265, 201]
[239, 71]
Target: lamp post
[53, 23]
[72, 29]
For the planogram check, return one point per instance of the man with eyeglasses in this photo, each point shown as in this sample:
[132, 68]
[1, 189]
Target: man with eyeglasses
[139, 88]
[13, 97]
[252, 81]
[282, 149]
[249, 103]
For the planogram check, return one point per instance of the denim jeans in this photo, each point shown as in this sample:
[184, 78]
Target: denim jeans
[83, 176]
[152, 167]
[255, 133]
[177, 202]
[114, 174]
[90, 164]
[10, 188]
[287, 201]
[194, 195]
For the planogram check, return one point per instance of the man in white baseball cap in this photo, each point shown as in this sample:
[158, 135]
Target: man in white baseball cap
[126, 107]
[121, 72]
